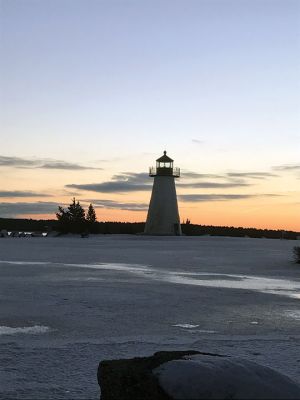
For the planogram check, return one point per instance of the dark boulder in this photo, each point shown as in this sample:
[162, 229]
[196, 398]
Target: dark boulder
[132, 379]
[192, 375]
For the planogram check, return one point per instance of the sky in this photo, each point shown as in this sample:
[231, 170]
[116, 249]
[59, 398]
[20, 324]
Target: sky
[92, 93]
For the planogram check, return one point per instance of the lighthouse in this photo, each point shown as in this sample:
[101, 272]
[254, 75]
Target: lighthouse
[163, 215]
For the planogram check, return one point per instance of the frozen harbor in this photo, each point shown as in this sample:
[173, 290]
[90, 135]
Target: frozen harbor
[67, 303]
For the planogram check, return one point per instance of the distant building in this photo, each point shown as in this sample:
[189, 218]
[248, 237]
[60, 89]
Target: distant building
[163, 216]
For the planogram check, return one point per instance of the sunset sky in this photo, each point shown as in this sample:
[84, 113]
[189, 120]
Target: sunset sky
[93, 91]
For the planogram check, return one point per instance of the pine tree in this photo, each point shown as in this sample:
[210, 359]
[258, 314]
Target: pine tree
[64, 221]
[72, 219]
[77, 213]
[91, 215]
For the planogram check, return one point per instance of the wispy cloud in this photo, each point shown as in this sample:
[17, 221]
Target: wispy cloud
[121, 183]
[64, 165]
[133, 177]
[251, 175]
[247, 174]
[112, 204]
[111, 187]
[11, 210]
[208, 185]
[198, 141]
[197, 175]
[135, 182]
[220, 197]
[287, 167]
[18, 162]
[20, 193]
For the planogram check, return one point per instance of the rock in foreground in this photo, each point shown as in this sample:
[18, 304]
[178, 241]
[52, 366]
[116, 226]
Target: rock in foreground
[191, 375]
[206, 377]
[133, 379]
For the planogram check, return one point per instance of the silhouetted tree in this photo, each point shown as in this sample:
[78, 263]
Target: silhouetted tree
[77, 212]
[64, 220]
[91, 214]
[91, 219]
[72, 219]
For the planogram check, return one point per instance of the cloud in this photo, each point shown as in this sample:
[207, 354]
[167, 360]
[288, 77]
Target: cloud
[19, 193]
[111, 187]
[220, 197]
[196, 175]
[132, 177]
[64, 165]
[120, 205]
[287, 167]
[136, 182]
[197, 141]
[121, 183]
[19, 162]
[11, 210]
[251, 175]
[207, 185]
[230, 179]
[16, 162]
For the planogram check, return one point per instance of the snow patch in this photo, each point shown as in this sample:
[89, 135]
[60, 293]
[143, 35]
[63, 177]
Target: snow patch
[25, 262]
[120, 267]
[32, 330]
[275, 286]
[293, 314]
[186, 326]
[192, 328]
[282, 287]
[133, 268]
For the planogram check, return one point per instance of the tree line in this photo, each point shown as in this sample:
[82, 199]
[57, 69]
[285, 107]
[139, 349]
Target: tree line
[74, 219]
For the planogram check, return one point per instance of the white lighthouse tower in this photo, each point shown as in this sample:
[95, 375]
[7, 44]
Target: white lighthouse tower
[163, 215]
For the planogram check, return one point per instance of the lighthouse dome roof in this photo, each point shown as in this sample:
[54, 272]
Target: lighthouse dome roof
[164, 158]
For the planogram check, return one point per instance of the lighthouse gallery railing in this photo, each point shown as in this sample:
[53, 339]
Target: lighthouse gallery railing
[163, 171]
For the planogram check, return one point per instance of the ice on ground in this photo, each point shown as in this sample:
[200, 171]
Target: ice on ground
[24, 262]
[209, 377]
[186, 326]
[193, 328]
[108, 297]
[293, 314]
[134, 268]
[32, 330]
[282, 287]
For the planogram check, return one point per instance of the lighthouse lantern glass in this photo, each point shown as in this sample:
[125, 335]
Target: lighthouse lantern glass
[164, 164]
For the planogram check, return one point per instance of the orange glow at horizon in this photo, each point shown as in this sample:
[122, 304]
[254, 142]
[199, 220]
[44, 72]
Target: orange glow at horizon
[271, 205]
[235, 213]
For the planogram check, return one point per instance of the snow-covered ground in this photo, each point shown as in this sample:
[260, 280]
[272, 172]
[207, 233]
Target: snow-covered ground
[67, 303]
